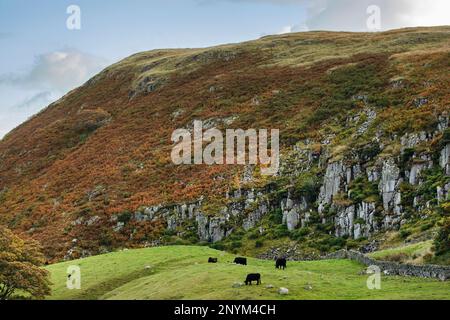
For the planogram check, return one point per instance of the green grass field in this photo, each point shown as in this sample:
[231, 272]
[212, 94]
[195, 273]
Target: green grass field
[182, 272]
[412, 253]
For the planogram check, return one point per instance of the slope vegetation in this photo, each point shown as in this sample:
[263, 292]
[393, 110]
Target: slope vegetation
[77, 175]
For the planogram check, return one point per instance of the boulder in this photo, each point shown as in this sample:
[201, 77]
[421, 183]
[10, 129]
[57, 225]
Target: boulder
[283, 291]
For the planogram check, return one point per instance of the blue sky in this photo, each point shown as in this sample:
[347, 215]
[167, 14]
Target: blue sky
[40, 59]
[117, 28]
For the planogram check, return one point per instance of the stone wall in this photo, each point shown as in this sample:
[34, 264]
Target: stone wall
[392, 268]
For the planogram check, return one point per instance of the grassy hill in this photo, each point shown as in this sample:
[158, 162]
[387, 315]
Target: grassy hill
[363, 120]
[412, 253]
[182, 272]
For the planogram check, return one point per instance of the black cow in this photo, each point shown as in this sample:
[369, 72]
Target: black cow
[253, 277]
[280, 263]
[240, 260]
[212, 260]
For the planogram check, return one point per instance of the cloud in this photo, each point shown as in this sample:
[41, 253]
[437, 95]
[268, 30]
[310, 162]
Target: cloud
[285, 29]
[50, 77]
[18, 105]
[57, 71]
[351, 15]
[40, 98]
[292, 28]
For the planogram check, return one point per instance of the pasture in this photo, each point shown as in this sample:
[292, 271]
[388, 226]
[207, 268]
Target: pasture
[183, 272]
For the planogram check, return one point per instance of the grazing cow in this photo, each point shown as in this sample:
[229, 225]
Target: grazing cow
[280, 263]
[253, 277]
[240, 260]
[212, 260]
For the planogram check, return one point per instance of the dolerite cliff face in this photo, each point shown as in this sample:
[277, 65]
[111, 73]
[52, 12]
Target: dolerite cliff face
[247, 207]
[365, 144]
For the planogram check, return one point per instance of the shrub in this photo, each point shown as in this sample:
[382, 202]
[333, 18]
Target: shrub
[337, 242]
[259, 243]
[124, 217]
[445, 208]
[442, 241]
[254, 235]
[308, 186]
[408, 194]
[405, 233]
[381, 101]
[406, 157]
[180, 242]
[445, 139]
[428, 258]
[330, 243]
[236, 236]
[354, 244]
[361, 189]
[236, 244]
[325, 228]
[432, 178]
[84, 211]
[169, 233]
[218, 246]
[396, 257]
[280, 231]
[427, 226]
[300, 233]
[276, 216]
[370, 151]
[106, 239]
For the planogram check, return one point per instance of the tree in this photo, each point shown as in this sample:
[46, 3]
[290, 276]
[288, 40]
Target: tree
[20, 262]
[442, 241]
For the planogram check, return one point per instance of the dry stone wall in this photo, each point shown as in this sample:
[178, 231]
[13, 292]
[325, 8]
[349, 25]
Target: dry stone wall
[392, 268]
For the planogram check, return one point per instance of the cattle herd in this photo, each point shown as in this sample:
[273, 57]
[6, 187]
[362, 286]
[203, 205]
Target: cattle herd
[280, 263]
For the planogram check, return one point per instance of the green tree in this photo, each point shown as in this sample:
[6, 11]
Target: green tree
[442, 241]
[20, 262]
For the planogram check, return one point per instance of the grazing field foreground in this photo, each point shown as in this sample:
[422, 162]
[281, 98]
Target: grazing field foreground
[183, 272]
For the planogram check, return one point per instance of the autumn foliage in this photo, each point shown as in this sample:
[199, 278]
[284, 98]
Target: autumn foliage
[20, 270]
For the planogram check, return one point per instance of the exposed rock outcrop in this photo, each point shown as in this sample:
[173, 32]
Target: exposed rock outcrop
[294, 212]
[444, 160]
[335, 174]
[389, 187]
[356, 221]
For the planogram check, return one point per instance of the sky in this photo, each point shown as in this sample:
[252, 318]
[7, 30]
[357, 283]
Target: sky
[41, 59]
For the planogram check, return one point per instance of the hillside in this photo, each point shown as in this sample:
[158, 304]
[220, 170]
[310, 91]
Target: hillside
[363, 121]
[179, 272]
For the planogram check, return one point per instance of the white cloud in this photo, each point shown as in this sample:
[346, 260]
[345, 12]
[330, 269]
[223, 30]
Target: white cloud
[50, 77]
[19, 104]
[36, 99]
[59, 70]
[350, 15]
[292, 28]
[286, 29]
